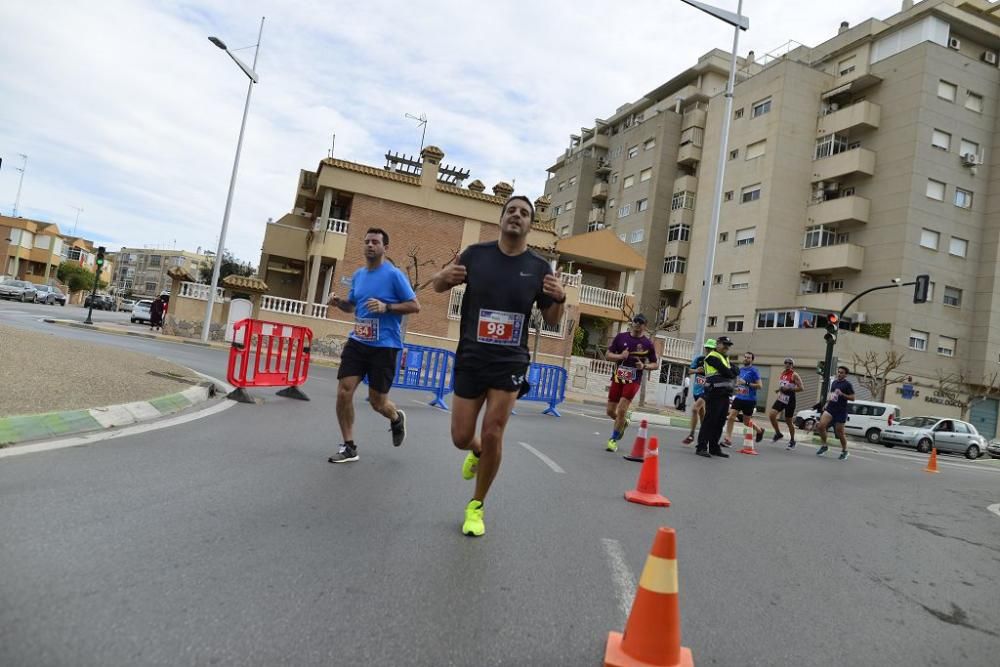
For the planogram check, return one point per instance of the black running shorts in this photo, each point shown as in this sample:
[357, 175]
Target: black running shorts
[744, 407]
[472, 382]
[788, 408]
[378, 363]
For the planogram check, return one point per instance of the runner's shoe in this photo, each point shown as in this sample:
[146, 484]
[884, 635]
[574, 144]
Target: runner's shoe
[791, 445]
[843, 455]
[612, 446]
[822, 450]
[777, 436]
[474, 525]
[398, 428]
[688, 440]
[726, 443]
[469, 466]
[760, 435]
[346, 454]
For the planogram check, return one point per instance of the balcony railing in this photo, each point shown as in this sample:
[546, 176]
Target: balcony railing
[198, 291]
[597, 296]
[275, 304]
[337, 226]
[571, 279]
[678, 348]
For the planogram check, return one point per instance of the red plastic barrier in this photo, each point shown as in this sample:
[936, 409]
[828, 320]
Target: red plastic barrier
[268, 354]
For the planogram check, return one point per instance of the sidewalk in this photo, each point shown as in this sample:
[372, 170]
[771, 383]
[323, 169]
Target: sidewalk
[55, 386]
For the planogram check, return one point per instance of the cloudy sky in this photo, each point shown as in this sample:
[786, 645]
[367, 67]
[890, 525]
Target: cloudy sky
[127, 111]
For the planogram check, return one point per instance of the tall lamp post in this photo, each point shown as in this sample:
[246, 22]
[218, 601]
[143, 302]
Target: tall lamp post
[206, 326]
[739, 22]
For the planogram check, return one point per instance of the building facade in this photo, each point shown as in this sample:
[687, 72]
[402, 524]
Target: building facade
[32, 250]
[143, 271]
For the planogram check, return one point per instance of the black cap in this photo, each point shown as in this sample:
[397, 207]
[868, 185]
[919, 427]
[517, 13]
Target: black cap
[640, 319]
[723, 340]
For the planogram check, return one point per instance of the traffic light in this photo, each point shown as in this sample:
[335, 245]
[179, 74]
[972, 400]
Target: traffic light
[921, 289]
[820, 367]
[831, 328]
[100, 257]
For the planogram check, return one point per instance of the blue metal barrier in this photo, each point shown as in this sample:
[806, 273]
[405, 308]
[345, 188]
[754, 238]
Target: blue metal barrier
[425, 369]
[548, 385]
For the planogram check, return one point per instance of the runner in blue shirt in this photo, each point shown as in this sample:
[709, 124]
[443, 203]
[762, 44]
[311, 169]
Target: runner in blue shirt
[696, 371]
[745, 401]
[841, 391]
[380, 295]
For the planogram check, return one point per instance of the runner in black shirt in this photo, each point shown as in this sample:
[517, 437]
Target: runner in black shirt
[503, 281]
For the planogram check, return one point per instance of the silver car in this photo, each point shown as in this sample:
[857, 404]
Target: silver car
[21, 290]
[50, 295]
[946, 435]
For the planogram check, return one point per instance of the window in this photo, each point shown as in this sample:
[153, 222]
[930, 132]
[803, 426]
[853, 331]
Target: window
[946, 346]
[755, 150]
[760, 108]
[712, 320]
[963, 198]
[750, 193]
[734, 324]
[683, 199]
[625, 211]
[572, 181]
[614, 178]
[739, 280]
[733, 154]
[947, 91]
[150, 288]
[562, 185]
[819, 236]
[958, 247]
[674, 264]
[645, 175]
[632, 152]
[831, 144]
[154, 260]
[723, 237]
[728, 196]
[952, 297]
[629, 181]
[966, 147]
[636, 236]
[935, 189]
[846, 66]
[918, 340]
[745, 236]
[929, 239]
[776, 319]
[930, 292]
[717, 279]
[738, 113]
[941, 139]
[649, 144]
[611, 203]
[678, 233]
[641, 205]
[564, 230]
[973, 102]
[558, 209]
[568, 206]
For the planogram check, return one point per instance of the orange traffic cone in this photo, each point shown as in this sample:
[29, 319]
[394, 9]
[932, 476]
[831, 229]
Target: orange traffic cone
[932, 463]
[647, 490]
[748, 434]
[639, 446]
[653, 631]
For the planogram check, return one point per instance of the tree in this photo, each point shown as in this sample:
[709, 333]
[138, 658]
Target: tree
[230, 266]
[877, 369]
[77, 278]
[958, 390]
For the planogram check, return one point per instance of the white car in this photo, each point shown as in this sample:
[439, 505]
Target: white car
[140, 311]
[126, 305]
[865, 419]
[946, 435]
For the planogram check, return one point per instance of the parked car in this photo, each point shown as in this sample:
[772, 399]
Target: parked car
[993, 449]
[126, 305]
[101, 302]
[21, 290]
[947, 435]
[48, 294]
[140, 311]
[865, 419]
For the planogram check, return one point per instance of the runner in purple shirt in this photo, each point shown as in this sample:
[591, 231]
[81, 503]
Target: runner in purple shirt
[634, 352]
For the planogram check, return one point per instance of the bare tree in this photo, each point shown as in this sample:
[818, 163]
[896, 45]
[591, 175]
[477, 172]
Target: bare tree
[957, 389]
[878, 371]
[413, 275]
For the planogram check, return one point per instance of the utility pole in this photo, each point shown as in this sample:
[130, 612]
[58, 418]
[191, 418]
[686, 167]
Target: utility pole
[20, 182]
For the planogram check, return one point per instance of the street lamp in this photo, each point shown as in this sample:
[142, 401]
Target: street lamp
[206, 326]
[739, 22]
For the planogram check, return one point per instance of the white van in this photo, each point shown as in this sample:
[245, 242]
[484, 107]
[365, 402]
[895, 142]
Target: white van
[865, 419]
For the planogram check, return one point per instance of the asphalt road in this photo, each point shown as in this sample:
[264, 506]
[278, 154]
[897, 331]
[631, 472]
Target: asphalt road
[229, 540]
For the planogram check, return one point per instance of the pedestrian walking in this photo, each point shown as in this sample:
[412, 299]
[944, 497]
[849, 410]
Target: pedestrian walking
[379, 297]
[789, 384]
[635, 354]
[841, 391]
[745, 400]
[503, 280]
[156, 313]
[696, 371]
[720, 379]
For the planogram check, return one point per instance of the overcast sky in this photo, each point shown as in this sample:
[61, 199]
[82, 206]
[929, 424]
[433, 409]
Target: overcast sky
[127, 111]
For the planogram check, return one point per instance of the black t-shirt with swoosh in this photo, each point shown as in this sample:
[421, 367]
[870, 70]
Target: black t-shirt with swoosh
[500, 291]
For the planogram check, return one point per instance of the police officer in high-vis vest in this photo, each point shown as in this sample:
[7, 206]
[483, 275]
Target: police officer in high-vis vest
[720, 379]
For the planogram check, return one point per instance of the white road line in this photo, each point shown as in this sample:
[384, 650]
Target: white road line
[622, 577]
[995, 509]
[545, 459]
[99, 436]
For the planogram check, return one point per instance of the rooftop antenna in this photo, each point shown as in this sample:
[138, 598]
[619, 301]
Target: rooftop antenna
[421, 122]
[78, 212]
[333, 143]
[17, 199]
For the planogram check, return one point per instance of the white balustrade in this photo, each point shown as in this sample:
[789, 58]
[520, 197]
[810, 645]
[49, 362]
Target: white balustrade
[275, 304]
[678, 348]
[597, 296]
[337, 226]
[198, 291]
[602, 367]
[571, 279]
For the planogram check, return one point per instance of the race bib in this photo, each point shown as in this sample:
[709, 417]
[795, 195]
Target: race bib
[366, 330]
[699, 380]
[742, 390]
[625, 375]
[498, 327]
[784, 398]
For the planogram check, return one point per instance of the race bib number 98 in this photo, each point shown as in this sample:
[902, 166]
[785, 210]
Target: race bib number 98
[498, 327]
[366, 330]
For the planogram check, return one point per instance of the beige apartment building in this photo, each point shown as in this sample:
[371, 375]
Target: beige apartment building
[864, 159]
[143, 271]
[32, 250]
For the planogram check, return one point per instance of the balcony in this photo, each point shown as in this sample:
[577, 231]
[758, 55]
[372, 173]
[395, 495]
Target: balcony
[853, 161]
[678, 249]
[682, 216]
[831, 302]
[844, 209]
[595, 215]
[600, 191]
[833, 258]
[672, 282]
[689, 155]
[677, 349]
[689, 183]
[862, 115]
[691, 93]
[694, 118]
[334, 225]
[604, 298]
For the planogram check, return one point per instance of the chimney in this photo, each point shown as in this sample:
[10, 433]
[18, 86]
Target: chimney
[431, 157]
[750, 58]
[503, 190]
[477, 186]
[844, 25]
[542, 207]
[907, 4]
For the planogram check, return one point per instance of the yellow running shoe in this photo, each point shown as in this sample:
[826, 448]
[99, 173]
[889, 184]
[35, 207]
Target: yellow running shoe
[612, 446]
[474, 525]
[469, 466]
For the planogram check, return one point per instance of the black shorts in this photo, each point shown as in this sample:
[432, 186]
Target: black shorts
[744, 407]
[788, 408]
[472, 381]
[378, 363]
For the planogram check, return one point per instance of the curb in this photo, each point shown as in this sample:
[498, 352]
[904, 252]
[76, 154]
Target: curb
[23, 428]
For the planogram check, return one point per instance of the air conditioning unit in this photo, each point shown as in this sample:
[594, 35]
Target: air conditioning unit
[954, 43]
[969, 160]
[834, 107]
[989, 57]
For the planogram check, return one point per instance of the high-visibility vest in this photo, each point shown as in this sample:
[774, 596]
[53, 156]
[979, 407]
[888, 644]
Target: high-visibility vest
[710, 370]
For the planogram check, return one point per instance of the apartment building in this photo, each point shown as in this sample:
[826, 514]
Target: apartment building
[143, 271]
[861, 160]
[32, 250]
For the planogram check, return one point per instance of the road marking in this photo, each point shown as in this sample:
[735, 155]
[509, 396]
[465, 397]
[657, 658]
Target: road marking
[92, 438]
[545, 459]
[995, 509]
[622, 577]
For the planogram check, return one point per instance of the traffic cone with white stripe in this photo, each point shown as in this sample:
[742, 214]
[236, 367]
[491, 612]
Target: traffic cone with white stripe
[932, 461]
[748, 435]
[639, 446]
[647, 489]
[652, 635]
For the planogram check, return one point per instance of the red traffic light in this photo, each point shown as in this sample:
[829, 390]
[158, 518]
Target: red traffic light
[832, 318]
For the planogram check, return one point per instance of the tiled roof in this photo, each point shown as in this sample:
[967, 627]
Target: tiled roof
[471, 194]
[544, 225]
[243, 282]
[371, 171]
